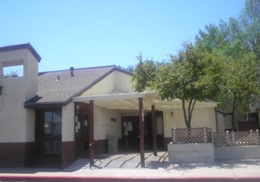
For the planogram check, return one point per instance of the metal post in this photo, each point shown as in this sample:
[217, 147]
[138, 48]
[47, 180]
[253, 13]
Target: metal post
[154, 132]
[233, 138]
[141, 128]
[251, 138]
[205, 135]
[212, 138]
[174, 137]
[257, 137]
[91, 133]
[227, 137]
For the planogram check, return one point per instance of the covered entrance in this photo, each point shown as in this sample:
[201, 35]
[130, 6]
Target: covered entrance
[131, 133]
[136, 131]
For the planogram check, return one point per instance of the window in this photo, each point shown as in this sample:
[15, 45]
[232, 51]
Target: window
[13, 69]
[52, 123]
[49, 129]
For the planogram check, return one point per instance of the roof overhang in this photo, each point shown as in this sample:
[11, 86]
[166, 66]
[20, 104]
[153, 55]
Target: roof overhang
[129, 101]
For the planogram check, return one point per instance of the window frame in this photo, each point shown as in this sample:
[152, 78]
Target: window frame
[41, 137]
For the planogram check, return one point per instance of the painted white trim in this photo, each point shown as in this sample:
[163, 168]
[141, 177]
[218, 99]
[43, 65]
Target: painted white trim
[109, 97]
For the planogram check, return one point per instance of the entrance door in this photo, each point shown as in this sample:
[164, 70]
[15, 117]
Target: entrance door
[130, 133]
[81, 132]
[48, 138]
[159, 130]
[48, 132]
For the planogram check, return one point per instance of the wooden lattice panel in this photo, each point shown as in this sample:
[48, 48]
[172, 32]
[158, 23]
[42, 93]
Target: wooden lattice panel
[193, 135]
[247, 138]
[221, 139]
[235, 138]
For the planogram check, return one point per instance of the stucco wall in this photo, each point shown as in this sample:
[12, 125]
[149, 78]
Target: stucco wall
[31, 75]
[221, 124]
[30, 125]
[103, 126]
[12, 113]
[68, 122]
[17, 124]
[104, 86]
[123, 82]
[114, 81]
[202, 117]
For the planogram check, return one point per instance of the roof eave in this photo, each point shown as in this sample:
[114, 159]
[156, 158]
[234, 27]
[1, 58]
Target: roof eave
[22, 46]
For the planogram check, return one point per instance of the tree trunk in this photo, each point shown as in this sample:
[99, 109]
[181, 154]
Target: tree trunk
[188, 116]
[233, 113]
[187, 123]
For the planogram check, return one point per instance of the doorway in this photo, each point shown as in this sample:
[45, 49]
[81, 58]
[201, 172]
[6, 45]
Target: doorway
[81, 130]
[131, 133]
[159, 130]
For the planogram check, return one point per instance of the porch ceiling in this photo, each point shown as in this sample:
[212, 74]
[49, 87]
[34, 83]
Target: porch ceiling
[129, 101]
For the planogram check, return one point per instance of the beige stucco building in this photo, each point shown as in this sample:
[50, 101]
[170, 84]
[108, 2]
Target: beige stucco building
[53, 118]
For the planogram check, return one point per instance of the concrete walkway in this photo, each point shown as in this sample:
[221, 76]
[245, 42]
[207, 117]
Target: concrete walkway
[126, 167]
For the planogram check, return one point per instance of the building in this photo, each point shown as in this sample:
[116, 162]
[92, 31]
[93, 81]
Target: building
[56, 117]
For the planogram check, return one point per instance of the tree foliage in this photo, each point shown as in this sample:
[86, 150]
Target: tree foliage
[223, 64]
[11, 74]
[189, 76]
[237, 43]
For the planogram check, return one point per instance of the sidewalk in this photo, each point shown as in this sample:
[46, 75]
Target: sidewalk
[126, 167]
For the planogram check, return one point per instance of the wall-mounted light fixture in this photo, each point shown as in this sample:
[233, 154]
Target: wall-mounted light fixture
[172, 114]
[1, 90]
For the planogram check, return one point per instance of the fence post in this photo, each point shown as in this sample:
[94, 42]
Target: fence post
[227, 137]
[205, 135]
[233, 138]
[257, 137]
[251, 138]
[174, 138]
[212, 138]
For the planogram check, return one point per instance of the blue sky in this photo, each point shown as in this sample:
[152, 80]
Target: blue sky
[84, 33]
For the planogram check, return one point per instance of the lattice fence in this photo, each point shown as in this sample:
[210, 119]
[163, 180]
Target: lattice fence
[219, 139]
[242, 138]
[192, 135]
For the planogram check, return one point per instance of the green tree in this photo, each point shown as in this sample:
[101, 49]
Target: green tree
[190, 76]
[250, 22]
[129, 68]
[240, 83]
[11, 74]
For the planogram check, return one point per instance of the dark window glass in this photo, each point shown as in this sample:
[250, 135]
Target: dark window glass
[52, 123]
[49, 130]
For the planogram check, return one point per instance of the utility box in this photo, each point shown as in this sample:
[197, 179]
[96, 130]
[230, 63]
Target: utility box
[112, 144]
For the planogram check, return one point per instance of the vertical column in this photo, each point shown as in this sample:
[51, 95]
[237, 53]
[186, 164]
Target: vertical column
[141, 128]
[154, 132]
[91, 133]
[205, 135]
[1, 69]
[216, 118]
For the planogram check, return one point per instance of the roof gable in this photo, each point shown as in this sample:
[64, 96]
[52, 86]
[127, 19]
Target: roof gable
[59, 87]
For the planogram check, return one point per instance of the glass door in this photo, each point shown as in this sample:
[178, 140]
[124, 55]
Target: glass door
[49, 126]
[81, 132]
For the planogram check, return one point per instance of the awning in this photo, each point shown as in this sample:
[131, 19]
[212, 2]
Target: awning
[129, 101]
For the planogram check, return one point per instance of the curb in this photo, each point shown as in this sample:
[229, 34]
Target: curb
[125, 179]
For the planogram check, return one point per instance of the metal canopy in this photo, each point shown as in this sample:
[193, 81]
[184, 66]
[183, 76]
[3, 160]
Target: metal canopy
[129, 101]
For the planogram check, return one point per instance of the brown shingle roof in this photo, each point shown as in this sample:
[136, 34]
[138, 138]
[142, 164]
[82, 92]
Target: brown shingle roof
[52, 91]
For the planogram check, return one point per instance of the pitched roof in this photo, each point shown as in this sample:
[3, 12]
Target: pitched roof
[59, 87]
